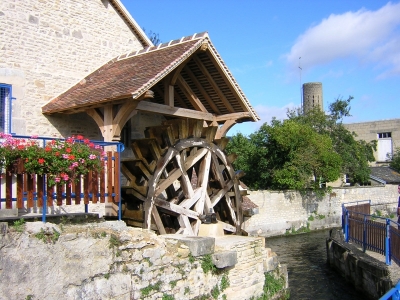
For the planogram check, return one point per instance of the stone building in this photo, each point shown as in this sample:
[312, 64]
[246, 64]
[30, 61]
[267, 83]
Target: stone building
[48, 46]
[385, 132]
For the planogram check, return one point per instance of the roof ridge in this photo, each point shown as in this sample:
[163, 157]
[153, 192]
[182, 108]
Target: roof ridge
[184, 39]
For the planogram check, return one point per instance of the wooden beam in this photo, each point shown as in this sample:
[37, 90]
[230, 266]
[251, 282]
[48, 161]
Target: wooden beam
[202, 91]
[169, 94]
[222, 131]
[214, 84]
[190, 95]
[173, 111]
[234, 116]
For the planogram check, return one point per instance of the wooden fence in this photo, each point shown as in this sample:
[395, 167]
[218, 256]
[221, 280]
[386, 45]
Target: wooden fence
[31, 190]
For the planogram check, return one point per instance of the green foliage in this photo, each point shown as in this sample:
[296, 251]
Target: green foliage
[311, 218]
[107, 276]
[224, 282]
[114, 241]
[63, 160]
[215, 291]
[303, 152]
[173, 283]
[48, 237]
[167, 297]
[395, 160]
[187, 290]
[19, 225]
[152, 287]
[29, 297]
[207, 264]
[272, 286]
[191, 258]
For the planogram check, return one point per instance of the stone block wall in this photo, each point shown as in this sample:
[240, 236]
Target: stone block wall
[280, 211]
[109, 260]
[48, 46]
[368, 131]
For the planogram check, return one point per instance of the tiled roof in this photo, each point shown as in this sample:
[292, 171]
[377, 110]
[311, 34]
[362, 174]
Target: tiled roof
[132, 74]
[388, 174]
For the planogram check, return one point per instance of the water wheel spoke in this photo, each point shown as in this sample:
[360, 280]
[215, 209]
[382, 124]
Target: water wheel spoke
[175, 209]
[184, 223]
[184, 179]
[227, 227]
[158, 221]
[232, 210]
[204, 171]
[221, 193]
[217, 170]
[187, 203]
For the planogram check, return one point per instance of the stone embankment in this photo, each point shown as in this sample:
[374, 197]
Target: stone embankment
[108, 260]
[367, 272]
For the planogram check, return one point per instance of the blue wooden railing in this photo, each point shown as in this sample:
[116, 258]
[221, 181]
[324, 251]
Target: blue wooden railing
[393, 294]
[381, 235]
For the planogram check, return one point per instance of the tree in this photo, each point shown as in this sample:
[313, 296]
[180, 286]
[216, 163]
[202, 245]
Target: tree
[355, 154]
[395, 160]
[154, 37]
[303, 151]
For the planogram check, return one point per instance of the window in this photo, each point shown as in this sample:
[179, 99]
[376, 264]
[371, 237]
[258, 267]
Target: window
[383, 135]
[385, 148]
[5, 108]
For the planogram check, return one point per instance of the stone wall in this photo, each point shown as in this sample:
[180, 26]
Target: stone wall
[48, 46]
[109, 260]
[281, 211]
[368, 131]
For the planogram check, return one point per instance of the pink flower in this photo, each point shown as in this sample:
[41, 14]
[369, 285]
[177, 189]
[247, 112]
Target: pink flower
[66, 156]
[58, 179]
[92, 156]
[34, 136]
[79, 137]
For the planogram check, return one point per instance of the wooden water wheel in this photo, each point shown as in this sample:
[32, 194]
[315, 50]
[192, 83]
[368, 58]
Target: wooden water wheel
[179, 174]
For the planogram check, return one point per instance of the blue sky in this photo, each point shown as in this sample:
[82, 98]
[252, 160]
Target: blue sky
[352, 47]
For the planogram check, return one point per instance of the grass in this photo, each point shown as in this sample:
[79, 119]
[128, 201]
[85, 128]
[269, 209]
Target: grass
[114, 241]
[273, 286]
[152, 287]
[167, 297]
[48, 237]
[224, 282]
[19, 225]
[191, 258]
[207, 264]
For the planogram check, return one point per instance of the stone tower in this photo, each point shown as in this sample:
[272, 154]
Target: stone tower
[312, 96]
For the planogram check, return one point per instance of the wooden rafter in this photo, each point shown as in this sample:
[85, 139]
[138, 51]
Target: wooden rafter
[214, 84]
[190, 94]
[201, 89]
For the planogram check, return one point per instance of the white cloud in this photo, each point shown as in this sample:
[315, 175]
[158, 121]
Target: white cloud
[368, 36]
[266, 113]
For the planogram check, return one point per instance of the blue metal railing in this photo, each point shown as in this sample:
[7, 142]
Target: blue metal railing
[45, 140]
[380, 236]
[393, 294]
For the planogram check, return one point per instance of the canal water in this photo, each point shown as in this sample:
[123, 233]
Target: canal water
[309, 275]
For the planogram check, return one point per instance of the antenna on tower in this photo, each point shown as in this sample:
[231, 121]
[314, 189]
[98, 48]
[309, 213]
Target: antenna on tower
[301, 89]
